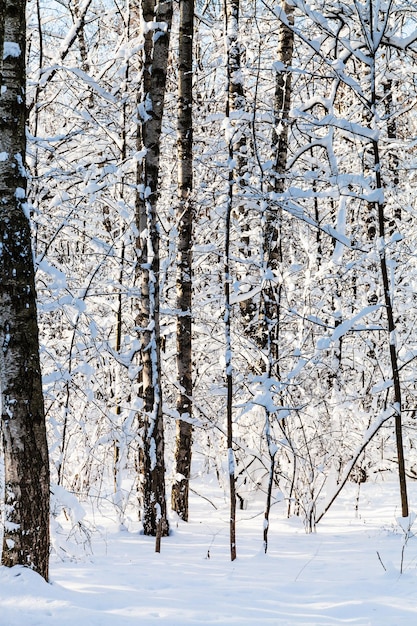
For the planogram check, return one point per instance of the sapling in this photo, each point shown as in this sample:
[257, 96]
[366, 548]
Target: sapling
[405, 523]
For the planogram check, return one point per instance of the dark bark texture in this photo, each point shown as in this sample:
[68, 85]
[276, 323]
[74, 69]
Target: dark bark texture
[151, 107]
[271, 305]
[180, 488]
[231, 23]
[26, 526]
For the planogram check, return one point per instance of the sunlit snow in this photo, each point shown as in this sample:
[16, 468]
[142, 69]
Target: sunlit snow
[348, 572]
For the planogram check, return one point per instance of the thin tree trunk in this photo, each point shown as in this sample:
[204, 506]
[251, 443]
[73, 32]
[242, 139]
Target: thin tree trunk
[237, 107]
[230, 18]
[119, 314]
[82, 45]
[180, 488]
[272, 236]
[229, 373]
[26, 515]
[393, 160]
[50, 73]
[117, 347]
[392, 338]
[151, 105]
[272, 450]
[386, 285]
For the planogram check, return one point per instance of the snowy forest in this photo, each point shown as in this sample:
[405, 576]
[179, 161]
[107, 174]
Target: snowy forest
[222, 212]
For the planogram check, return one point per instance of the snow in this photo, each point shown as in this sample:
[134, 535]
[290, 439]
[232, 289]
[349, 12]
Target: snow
[20, 193]
[347, 325]
[67, 41]
[334, 576]
[11, 49]
[89, 81]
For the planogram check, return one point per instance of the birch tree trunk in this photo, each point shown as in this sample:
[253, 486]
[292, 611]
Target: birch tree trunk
[231, 11]
[180, 488]
[26, 516]
[157, 19]
[393, 160]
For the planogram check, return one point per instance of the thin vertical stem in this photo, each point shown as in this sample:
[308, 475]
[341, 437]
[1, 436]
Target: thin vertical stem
[231, 10]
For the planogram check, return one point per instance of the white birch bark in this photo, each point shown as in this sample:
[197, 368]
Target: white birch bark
[157, 19]
[26, 515]
[180, 488]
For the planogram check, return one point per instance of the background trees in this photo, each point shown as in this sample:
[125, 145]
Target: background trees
[307, 156]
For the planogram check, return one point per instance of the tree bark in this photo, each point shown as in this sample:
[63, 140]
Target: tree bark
[272, 234]
[231, 13]
[150, 109]
[393, 352]
[271, 300]
[50, 73]
[26, 525]
[386, 283]
[393, 160]
[237, 108]
[180, 488]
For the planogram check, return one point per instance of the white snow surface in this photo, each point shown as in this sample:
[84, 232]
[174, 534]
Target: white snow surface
[11, 49]
[331, 577]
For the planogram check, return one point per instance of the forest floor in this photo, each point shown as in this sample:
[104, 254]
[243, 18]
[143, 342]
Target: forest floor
[333, 576]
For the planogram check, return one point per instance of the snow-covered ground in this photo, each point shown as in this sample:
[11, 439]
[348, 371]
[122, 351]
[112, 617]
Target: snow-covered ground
[334, 576]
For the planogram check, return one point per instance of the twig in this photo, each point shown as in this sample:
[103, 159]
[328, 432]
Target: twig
[380, 560]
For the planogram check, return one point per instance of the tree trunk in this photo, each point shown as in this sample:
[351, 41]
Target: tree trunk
[82, 45]
[151, 105]
[272, 238]
[272, 228]
[388, 300]
[231, 16]
[26, 526]
[180, 487]
[387, 285]
[393, 160]
[237, 108]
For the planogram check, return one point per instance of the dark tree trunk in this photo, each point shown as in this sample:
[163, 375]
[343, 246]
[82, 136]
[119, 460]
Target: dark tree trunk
[151, 107]
[26, 525]
[231, 23]
[386, 283]
[393, 160]
[180, 488]
[272, 232]
[388, 301]
[271, 301]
